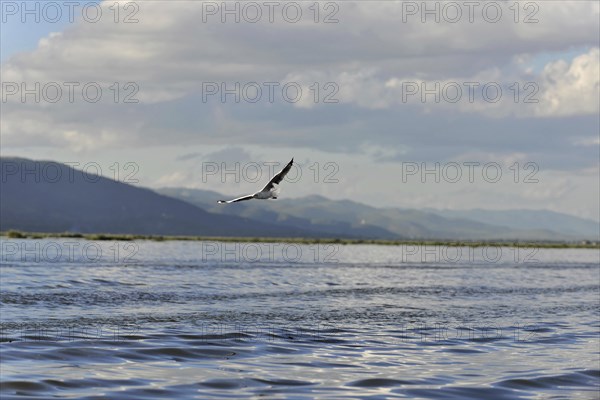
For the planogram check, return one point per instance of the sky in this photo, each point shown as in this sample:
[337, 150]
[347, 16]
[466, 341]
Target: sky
[445, 104]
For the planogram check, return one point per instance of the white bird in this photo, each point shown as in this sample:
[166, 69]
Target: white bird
[270, 191]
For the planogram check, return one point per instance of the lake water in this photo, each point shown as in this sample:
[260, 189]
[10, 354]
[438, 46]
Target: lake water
[131, 320]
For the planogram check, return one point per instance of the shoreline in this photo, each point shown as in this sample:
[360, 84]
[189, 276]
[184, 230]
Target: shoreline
[12, 234]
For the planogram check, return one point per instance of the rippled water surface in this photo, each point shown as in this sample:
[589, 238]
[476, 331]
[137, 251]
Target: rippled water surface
[123, 320]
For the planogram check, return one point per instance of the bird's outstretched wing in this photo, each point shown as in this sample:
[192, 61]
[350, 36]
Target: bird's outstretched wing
[250, 196]
[278, 177]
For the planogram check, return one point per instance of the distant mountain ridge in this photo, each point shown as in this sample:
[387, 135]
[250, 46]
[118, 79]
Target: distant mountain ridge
[523, 219]
[78, 204]
[103, 205]
[322, 213]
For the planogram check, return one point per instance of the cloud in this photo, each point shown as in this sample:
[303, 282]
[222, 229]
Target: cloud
[173, 52]
[571, 89]
[188, 156]
[587, 141]
[228, 155]
[174, 179]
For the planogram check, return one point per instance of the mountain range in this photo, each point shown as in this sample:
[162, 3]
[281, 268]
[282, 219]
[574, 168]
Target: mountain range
[77, 203]
[33, 199]
[340, 216]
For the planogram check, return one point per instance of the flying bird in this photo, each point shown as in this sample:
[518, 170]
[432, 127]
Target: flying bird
[270, 191]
